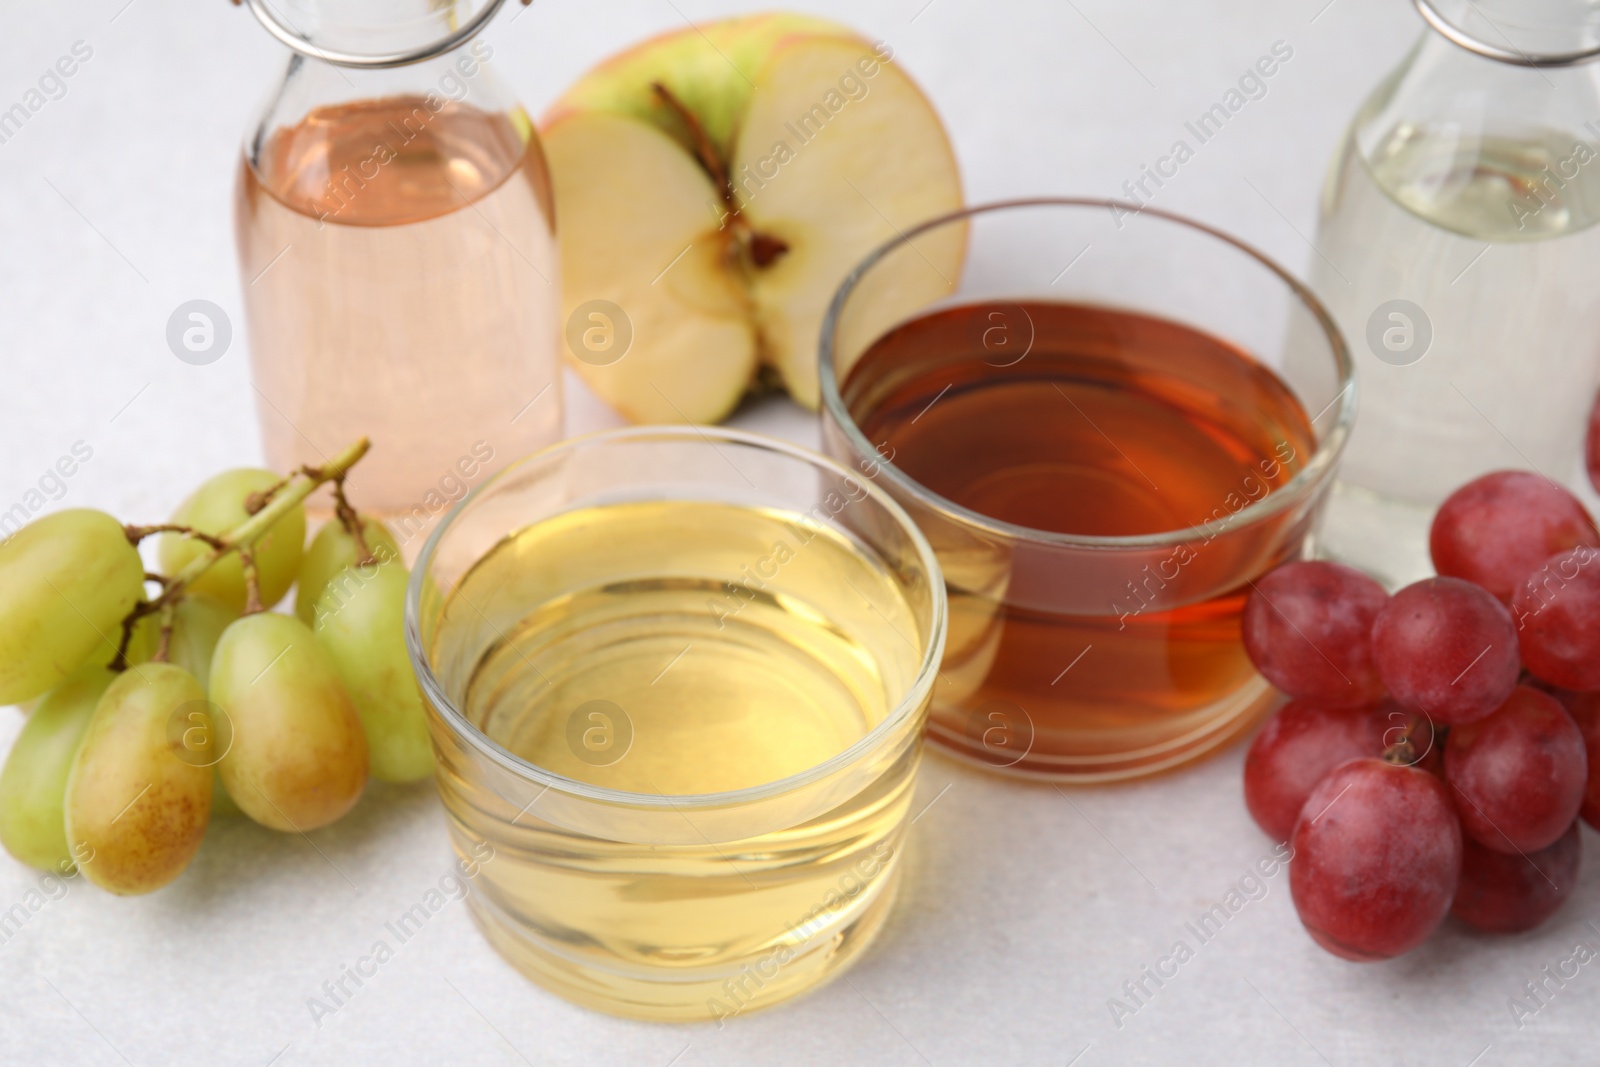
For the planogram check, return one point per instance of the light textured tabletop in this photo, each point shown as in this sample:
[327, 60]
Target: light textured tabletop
[1027, 909]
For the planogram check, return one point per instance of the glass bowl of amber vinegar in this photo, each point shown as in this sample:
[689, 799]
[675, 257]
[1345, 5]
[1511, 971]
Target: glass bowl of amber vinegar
[1098, 429]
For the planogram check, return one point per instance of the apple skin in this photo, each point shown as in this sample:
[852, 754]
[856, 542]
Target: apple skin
[715, 83]
[647, 230]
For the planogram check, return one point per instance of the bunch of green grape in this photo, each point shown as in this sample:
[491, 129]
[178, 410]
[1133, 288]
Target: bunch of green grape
[147, 714]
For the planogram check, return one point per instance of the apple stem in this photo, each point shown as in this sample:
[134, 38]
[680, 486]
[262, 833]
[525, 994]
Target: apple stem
[762, 248]
[704, 150]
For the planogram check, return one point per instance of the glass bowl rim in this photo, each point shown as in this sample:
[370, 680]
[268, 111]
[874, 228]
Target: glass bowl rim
[916, 693]
[1306, 480]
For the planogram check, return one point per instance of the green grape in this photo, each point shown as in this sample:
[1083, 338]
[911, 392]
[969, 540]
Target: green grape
[299, 758]
[66, 583]
[197, 625]
[33, 785]
[139, 792]
[331, 551]
[218, 506]
[361, 622]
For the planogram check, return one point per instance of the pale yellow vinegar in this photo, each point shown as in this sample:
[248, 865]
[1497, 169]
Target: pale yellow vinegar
[725, 647]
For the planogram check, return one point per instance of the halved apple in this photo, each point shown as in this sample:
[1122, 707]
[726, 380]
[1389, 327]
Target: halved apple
[716, 185]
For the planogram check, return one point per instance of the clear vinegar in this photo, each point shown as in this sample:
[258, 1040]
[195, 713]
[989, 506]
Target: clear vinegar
[400, 276]
[1495, 241]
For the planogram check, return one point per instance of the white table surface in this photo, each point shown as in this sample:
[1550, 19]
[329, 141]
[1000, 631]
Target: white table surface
[1026, 909]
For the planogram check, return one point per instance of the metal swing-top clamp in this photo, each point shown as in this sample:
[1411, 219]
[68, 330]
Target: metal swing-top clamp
[280, 27]
[1509, 52]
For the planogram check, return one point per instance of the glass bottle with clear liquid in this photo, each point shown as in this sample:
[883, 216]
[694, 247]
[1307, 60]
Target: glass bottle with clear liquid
[397, 253]
[1458, 250]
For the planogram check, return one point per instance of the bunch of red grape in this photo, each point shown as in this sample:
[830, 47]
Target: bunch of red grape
[1441, 743]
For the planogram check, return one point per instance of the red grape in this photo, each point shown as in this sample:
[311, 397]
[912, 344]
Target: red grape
[1300, 743]
[1447, 649]
[1498, 529]
[1591, 446]
[1377, 853]
[1306, 628]
[1518, 776]
[1506, 893]
[1585, 711]
[1558, 620]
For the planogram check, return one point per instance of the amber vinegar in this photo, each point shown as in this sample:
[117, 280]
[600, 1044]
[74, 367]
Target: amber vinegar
[1111, 424]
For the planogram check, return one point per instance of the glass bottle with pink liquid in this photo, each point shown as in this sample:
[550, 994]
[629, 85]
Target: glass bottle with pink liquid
[397, 253]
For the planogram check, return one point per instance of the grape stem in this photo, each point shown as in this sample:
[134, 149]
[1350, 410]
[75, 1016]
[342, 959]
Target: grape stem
[168, 615]
[139, 533]
[351, 523]
[241, 539]
[252, 580]
[1404, 752]
[256, 501]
